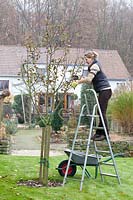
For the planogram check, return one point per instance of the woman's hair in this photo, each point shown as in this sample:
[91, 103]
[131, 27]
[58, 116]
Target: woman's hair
[91, 54]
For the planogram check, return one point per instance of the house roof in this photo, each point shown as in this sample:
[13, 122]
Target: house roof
[11, 58]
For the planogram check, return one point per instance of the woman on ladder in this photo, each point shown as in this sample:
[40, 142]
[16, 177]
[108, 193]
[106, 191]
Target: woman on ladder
[102, 87]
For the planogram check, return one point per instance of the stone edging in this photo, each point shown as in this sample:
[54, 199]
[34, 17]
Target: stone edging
[124, 147]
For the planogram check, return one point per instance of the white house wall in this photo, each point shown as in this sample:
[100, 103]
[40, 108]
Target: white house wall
[114, 85]
[16, 86]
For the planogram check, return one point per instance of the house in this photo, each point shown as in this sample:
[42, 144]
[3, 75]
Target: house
[12, 57]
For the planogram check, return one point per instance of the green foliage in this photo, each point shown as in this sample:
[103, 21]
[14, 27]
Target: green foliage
[74, 96]
[7, 110]
[90, 99]
[44, 121]
[11, 126]
[121, 109]
[17, 106]
[57, 121]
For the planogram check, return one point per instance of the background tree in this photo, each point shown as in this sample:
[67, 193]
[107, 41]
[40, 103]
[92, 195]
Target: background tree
[117, 15]
[18, 108]
[33, 16]
[57, 121]
[87, 23]
[9, 30]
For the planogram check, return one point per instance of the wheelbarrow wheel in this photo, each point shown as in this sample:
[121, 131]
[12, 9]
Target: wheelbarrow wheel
[62, 168]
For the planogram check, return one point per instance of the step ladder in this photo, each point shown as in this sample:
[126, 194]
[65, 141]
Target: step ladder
[93, 115]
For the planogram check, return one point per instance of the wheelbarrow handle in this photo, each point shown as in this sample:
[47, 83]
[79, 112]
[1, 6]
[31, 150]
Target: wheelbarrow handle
[115, 155]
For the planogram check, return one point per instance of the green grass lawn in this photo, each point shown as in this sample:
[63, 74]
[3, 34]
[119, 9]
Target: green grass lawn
[14, 169]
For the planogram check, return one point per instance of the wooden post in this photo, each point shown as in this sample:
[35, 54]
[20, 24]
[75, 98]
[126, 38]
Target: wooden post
[44, 157]
[41, 156]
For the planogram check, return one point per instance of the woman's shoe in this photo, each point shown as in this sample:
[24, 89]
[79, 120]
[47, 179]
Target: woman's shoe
[100, 138]
[96, 135]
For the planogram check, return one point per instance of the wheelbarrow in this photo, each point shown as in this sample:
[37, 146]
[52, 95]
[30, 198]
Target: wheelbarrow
[77, 159]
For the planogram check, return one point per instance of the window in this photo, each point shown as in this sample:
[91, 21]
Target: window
[42, 102]
[4, 84]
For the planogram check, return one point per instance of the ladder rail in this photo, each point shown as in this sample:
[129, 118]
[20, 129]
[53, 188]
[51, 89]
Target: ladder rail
[74, 140]
[105, 130]
[95, 147]
[100, 169]
[87, 150]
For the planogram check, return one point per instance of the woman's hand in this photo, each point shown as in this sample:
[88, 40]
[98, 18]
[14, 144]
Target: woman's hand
[82, 80]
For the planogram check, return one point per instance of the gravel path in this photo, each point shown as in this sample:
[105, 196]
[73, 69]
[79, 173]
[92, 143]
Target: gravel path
[34, 153]
[27, 143]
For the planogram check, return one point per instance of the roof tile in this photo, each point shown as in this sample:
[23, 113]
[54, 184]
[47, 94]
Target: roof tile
[11, 58]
